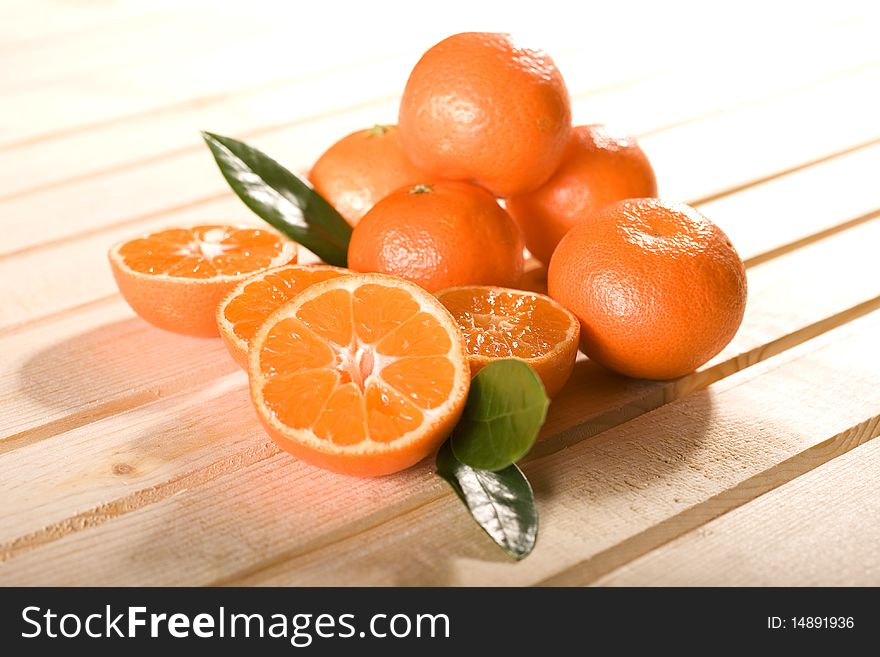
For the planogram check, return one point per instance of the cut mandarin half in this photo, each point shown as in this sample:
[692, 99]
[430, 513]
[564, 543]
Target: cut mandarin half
[500, 323]
[363, 375]
[174, 278]
[247, 306]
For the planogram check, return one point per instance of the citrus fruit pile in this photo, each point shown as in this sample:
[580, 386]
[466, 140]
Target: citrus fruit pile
[365, 369]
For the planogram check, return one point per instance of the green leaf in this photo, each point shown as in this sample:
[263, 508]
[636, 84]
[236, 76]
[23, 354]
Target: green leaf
[281, 199]
[501, 502]
[504, 412]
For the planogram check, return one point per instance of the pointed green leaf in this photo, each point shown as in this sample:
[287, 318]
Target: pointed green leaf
[501, 502]
[506, 408]
[281, 199]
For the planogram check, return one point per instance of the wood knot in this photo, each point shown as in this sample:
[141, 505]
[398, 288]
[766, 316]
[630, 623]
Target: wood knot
[122, 469]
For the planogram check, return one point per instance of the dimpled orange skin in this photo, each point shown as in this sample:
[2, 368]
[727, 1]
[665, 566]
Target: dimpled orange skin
[658, 288]
[598, 168]
[450, 233]
[479, 107]
[362, 168]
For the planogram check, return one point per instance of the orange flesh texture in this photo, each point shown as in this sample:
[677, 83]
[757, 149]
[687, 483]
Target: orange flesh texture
[355, 369]
[498, 323]
[507, 325]
[175, 278]
[202, 251]
[259, 297]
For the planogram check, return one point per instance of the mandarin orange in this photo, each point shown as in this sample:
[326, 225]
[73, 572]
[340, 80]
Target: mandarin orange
[657, 287]
[449, 233]
[362, 168]
[599, 168]
[479, 106]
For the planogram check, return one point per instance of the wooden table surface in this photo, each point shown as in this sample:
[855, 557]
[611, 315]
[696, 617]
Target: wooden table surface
[131, 456]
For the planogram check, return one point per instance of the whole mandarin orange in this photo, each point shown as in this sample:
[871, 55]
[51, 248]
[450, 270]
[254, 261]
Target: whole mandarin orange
[479, 107]
[362, 168]
[598, 168]
[657, 287]
[440, 235]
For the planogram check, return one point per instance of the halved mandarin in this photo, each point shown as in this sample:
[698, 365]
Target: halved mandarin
[174, 278]
[500, 323]
[363, 375]
[251, 301]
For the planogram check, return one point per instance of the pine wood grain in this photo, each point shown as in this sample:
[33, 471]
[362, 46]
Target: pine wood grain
[772, 129]
[692, 88]
[820, 529]
[613, 497]
[132, 456]
[779, 320]
[37, 380]
[277, 521]
[760, 220]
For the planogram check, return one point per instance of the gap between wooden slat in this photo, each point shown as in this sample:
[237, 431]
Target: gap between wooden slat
[91, 414]
[668, 393]
[588, 571]
[190, 103]
[101, 514]
[872, 302]
[779, 174]
[474, 564]
[243, 134]
[663, 394]
[373, 102]
[803, 533]
[170, 210]
[810, 239]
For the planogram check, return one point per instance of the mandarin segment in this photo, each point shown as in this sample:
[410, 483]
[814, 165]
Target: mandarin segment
[389, 414]
[378, 310]
[343, 420]
[426, 381]
[311, 389]
[329, 317]
[420, 335]
[290, 347]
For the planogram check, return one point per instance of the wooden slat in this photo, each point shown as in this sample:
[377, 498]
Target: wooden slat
[612, 400]
[729, 142]
[759, 221]
[102, 361]
[820, 529]
[693, 89]
[232, 47]
[76, 275]
[165, 477]
[36, 24]
[634, 487]
[721, 153]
